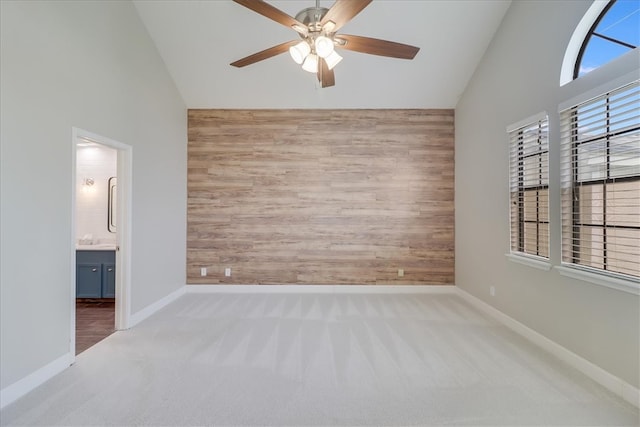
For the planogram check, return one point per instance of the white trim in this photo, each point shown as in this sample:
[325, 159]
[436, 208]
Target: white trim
[616, 385]
[577, 38]
[599, 279]
[528, 121]
[23, 386]
[99, 139]
[539, 263]
[72, 247]
[599, 90]
[124, 238]
[156, 306]
[322, 289]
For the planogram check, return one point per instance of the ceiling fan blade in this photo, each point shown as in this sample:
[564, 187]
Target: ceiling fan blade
[264, 54]
[376, 46]
[342, 12]
[325, 75]
[273, 13]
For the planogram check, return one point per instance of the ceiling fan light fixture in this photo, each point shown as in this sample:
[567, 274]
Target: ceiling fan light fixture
[318, 27]
[300, 51]
[324, 46]
[310, 63]
[333, 59]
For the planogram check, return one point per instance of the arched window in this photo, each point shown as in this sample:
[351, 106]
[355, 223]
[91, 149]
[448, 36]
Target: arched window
[615, 32]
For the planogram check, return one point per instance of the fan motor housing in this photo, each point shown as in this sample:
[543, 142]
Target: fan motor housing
[311, 17]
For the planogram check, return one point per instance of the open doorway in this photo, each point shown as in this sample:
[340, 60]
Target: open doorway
[96, 237]
[100, 238]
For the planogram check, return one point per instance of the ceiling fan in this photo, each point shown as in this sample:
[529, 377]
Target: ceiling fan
[317, 26]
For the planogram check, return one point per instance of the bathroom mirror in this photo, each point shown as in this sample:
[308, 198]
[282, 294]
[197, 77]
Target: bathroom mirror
[111, 205]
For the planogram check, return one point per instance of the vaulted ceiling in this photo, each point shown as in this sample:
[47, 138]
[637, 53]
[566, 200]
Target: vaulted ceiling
[199, 39]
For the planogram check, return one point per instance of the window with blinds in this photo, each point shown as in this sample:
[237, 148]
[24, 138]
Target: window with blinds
[529, 188]
[600, 167]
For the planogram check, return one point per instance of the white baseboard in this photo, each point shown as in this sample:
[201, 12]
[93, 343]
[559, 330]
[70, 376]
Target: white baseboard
[618, 386]
[150, 309]
[18, 389]
[322, 289]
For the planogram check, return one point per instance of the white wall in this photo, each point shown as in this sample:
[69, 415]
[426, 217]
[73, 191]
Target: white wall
[97, 163]
[517, 78]
[93, 66]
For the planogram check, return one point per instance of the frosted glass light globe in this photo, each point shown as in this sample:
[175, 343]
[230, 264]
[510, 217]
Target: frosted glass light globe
[310, 64]
[324, 46]
[300, 51]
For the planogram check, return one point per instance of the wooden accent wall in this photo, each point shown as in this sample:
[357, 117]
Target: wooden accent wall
[321, 196]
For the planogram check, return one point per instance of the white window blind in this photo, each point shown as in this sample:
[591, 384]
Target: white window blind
[600, 167]
[529, 188]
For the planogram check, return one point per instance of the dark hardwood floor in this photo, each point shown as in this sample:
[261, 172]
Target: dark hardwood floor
[95, 320]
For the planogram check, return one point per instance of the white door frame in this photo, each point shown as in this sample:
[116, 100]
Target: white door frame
[123, 234]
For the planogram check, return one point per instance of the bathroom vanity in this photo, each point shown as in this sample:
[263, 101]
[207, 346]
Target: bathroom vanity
[95, 272]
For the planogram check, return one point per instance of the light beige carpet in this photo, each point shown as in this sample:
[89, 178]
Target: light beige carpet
[326, 359]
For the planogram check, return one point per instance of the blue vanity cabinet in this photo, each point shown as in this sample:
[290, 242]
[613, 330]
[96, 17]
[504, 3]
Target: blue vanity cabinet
[109, 280]
[95, 274]
[88, 280]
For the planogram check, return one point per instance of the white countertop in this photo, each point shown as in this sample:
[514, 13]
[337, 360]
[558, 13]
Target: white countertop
[99, 247]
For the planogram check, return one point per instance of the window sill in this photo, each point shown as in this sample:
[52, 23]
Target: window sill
[600, 279]
[539, 263]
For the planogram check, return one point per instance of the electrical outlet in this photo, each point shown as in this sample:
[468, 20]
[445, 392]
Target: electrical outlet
[203, 271]
[492, 291]
[227, 272]
[400, 272]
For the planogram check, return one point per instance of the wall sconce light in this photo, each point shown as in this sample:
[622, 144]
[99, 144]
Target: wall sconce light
[88, 182]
